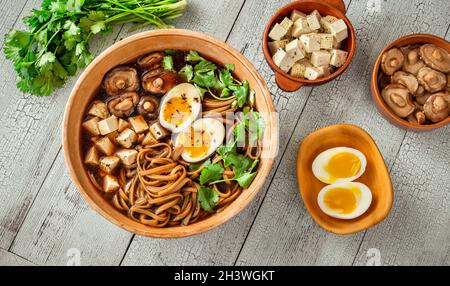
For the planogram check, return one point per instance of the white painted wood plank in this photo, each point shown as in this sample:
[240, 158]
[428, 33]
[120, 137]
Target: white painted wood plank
[30, 138]
[417, 232]
[221, 245]
[9, 12]
[283, 232]
[59, 219]
[11, 259]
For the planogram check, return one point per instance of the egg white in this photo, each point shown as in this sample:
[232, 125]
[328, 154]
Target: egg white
[216, 130]
[363, 201]
[192, 95]
[319, 163]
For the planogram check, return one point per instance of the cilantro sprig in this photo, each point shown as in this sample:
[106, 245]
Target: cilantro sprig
[57, 42]
[218, 82]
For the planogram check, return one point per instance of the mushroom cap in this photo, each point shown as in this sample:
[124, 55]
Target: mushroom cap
[399, 100]
[159, 81]
[392, 61]
[150, 60]
[435, 57]
[432, 80]
[123, 105]
[148, 107]
[120, 79]
[413, 63]
[406, 79]
[437, 107]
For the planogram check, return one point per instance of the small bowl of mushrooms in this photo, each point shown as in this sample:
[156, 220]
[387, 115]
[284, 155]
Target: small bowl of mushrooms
[411, 82]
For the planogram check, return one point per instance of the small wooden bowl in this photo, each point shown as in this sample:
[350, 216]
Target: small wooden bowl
[376, 176]
[126, 51]
[376, 92]
[335, 8]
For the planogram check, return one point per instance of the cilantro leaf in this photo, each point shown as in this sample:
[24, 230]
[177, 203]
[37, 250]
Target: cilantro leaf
[187, 72]
[208, 198]
[167, 63]
[211, 173]
[204, 66]
[246, 179]
[241, 93]
[193, 56]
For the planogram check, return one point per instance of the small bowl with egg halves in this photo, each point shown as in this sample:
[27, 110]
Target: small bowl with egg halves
[376, 177]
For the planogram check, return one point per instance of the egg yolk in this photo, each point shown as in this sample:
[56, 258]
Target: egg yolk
[177, 110]
[341, 200]
[196, 144]
[343, 165]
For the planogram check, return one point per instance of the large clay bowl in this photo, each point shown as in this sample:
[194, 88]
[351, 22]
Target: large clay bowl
[126, 51]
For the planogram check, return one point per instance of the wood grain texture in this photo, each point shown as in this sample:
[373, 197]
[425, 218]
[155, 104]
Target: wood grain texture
[30, 139]
[9, 15]
[50, 229]
[283, 228]
[11, 259]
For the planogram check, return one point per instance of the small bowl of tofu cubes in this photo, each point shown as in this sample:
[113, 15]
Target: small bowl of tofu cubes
[308, 43]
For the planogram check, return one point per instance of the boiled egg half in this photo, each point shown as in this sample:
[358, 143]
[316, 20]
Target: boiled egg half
[180, 107]
[201, 139]
[345, 200]
[340, 164]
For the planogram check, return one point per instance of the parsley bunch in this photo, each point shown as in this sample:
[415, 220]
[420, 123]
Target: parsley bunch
[57, 43]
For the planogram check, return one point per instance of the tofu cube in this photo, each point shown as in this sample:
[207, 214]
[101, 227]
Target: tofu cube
[295, 50]
[313, 20]
[298, 69]
[138, 124]
[110, 184]
[91, 157]
[326, 22]
[312, 73]
[275, 45]
[320, 58]
[277, 32]
[336, 44]
[99, 109]
[158, 131]
[287, 23]
[105, 146]
[311, 42]
[339, 30]
[300, 27]
[338, 57]
[149, 139]
[109, 163]
[91, 126]
[326, 70]
[127, 138]
[295, 15]
[127, 156]
[283, 60]
[123, 124]
[326, 41]
[108, 125]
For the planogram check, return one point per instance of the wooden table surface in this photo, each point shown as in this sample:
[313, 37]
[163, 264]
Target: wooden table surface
[43, 217]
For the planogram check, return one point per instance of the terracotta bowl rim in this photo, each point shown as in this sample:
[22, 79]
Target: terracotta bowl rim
[291, 6]
[381, 214]
[214, 220]
[376, 94]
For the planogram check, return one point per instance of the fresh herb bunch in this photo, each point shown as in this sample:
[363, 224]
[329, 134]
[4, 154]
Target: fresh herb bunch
[57, 43]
